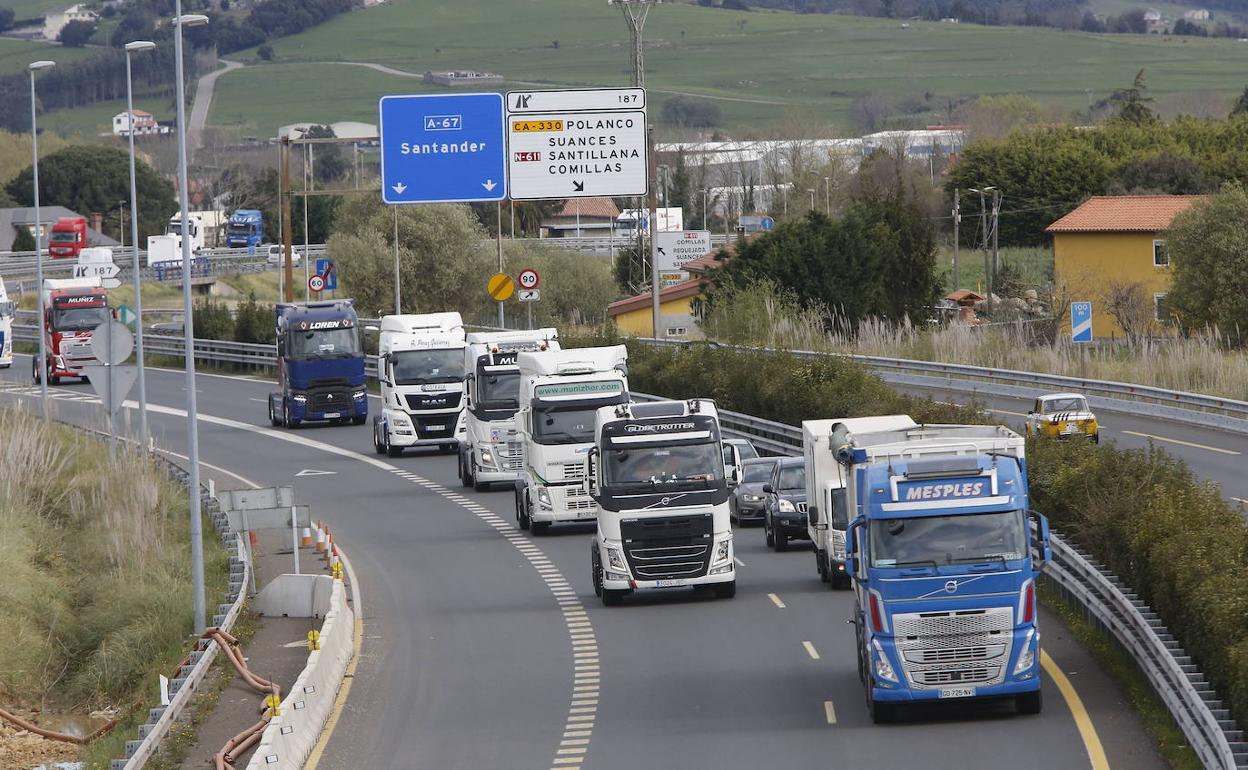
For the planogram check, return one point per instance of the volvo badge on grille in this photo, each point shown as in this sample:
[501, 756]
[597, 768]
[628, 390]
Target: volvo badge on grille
[951, 586]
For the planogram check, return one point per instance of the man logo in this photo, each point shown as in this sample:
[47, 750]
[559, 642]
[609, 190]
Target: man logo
[951, 586]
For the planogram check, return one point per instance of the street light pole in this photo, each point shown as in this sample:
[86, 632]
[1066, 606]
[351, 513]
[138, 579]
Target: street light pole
[41, 366]
[188, 322]
[137, 45]
[827, 195]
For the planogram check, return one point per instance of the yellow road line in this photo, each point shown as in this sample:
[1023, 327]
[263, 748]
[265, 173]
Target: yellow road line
[348, 677]
[776, 600]
[1181, 443]
[829, 712]
[811, 651]
[1091, 741]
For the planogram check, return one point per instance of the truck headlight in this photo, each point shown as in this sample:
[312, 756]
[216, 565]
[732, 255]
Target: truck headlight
[838, 545]
[301, 399]
[616, 559]
[487, 457]
[786, 506]
[543, 497]
[723, 551]
[1027, 658]
[883, 669]
[357, 395]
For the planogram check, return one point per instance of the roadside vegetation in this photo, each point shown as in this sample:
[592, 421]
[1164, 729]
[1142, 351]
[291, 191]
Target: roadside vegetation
[97, 596]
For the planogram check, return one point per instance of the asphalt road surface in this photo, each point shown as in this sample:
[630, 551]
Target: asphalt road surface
[485, 647]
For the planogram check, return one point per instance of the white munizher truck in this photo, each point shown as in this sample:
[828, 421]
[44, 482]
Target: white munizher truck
[490, 452]
[657, 475]
[420, 364]
[827, 514]
[560, 394]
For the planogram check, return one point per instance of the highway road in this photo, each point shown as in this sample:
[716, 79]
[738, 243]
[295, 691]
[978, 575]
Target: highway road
[485, 647]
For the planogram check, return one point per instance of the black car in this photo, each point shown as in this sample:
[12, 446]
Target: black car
[747, 499]
[784, 511]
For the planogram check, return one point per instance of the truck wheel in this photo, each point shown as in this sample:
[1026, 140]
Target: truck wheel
[726, 590]
[273, 415]
[595, 569]
[539, 527]
[479, 486]
[463, 472]
[287, 420]
[377, 447]
[392, 451]
[522, 511]
[34, 370]
[1029, 703]
[822, 566]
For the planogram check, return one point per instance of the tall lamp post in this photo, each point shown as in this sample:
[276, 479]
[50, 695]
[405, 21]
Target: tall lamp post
[41, 366]
[135, 47]
[188, 322]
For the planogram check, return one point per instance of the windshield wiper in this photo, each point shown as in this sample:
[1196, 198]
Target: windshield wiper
[917, 563]
[978, 559]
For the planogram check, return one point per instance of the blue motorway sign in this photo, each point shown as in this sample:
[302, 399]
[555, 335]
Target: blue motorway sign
[325, 269]
[1081, 322]
[766, 223]
[443, 148]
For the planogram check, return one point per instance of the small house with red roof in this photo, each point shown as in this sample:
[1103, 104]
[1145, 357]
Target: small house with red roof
[680, 305]
[583, 217]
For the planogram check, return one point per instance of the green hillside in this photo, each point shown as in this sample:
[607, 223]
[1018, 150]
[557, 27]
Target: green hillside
[754, 64]
[16, 54]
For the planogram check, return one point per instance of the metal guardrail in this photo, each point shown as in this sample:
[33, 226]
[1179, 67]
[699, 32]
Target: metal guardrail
[1181, 406]
[23, 264]
[602, 244]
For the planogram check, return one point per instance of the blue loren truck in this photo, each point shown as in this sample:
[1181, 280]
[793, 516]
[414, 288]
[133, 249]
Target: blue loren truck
[245, 229]
[320, 365]
[944, 556]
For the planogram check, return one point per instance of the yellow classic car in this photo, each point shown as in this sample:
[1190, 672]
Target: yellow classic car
[1061, 416]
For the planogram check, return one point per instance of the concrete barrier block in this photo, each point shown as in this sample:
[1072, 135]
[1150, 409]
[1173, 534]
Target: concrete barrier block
[295, 596]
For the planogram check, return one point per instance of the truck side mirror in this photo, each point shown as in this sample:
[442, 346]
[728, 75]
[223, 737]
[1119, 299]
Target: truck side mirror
[768, 489]
[1041, 551]
[591, 472]
[851, 548]
[812, 513]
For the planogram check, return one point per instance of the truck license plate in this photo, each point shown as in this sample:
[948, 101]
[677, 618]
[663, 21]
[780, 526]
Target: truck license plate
[668, 583]
[585, 514]
[332, 415]
[435, 427]
[958, 692]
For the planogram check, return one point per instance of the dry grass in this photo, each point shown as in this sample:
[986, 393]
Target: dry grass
[96, 597]
[765, 315]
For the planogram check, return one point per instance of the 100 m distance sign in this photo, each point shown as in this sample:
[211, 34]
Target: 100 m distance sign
[574, 155]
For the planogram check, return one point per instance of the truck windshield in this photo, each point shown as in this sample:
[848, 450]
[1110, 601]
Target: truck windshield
[499, 390]
[939, 540]
[324, 343]
[64, 236]
[567, 425]
[78, 318]
[696, 466]
[240, 229]
[416, 367]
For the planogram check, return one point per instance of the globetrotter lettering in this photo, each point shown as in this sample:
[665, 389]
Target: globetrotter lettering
[658, 427]
[943, 491]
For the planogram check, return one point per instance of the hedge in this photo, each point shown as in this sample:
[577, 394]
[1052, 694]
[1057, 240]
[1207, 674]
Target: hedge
[1141, 512]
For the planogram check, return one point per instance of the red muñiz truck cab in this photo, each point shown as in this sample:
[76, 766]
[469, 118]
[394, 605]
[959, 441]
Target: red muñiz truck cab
[72, 308]
[68, 237]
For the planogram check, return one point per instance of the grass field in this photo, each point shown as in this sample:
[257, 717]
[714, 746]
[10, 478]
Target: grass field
[16, 54]
[33, 9]
[755, 64]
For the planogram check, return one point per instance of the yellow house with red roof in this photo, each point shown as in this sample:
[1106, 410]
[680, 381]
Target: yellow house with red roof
[1111, 251]
[680, 306]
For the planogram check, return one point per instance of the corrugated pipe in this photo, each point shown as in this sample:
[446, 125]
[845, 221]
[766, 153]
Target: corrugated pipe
[224, 759]
[55, 736]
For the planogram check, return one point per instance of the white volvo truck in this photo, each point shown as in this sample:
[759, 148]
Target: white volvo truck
[420, 365]
[657, 475]
[490, 452]
[560, 394]
[827, 514]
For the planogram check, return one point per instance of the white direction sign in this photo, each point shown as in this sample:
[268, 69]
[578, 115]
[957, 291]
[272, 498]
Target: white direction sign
[676, 248]
[529, 295]
[576, 143]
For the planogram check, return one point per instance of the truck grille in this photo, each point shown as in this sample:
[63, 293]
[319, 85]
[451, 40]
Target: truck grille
[668, 546]
[443, 425]
[513, 460]
[574, 471]
[416, 401]
[577, 498]
[939, 649]
[329, 401]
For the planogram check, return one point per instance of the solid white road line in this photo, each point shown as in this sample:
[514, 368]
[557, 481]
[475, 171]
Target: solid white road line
[829, 712]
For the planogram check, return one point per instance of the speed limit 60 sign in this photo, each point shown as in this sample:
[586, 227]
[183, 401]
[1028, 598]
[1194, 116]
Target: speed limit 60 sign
[528, 278]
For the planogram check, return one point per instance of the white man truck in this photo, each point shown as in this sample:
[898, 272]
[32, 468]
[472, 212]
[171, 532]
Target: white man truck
[420, 365]
[7, 308]
[560, 394]
[944, 554]
[490, 452]
[827, 514]
[657, 475]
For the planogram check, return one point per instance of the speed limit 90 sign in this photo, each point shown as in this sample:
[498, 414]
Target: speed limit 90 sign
[528, 278]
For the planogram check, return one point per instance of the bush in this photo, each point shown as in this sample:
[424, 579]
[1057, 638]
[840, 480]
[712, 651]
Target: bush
[213, 321]
[76, 34]
[265, 52]
[24, 240]
[254, 322]
[690, 112]
[1169, 536]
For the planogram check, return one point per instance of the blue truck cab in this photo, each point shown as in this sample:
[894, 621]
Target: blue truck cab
[944, 554]
[320, 365]
[245, 229]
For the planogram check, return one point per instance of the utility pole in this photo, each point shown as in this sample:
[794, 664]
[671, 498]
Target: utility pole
[983, 221]
[288, 239]
[654, 241]
[635, 12]
[957, 220]
[996, 222]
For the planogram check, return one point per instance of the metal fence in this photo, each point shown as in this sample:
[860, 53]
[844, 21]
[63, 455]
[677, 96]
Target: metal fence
[22, 264]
